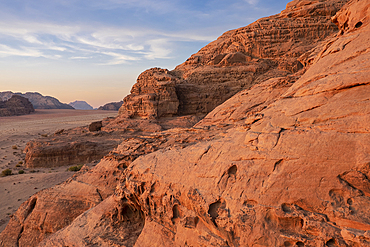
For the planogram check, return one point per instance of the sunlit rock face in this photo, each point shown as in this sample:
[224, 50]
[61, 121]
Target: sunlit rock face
[240, 58]
[284, 162]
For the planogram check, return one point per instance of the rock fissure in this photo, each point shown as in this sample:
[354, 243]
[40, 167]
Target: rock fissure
[262, 177]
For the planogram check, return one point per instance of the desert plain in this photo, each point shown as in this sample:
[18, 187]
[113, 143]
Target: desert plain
[15, 132]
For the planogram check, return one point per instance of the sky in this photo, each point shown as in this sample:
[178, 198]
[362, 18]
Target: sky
[93, 50]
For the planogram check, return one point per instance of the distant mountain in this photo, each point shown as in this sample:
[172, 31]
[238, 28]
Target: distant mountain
[16, 105]
[37, 100]
[81, 105]
[113, 106]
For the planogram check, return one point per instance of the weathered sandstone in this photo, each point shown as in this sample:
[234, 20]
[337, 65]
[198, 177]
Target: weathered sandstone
[282, 163]
[153, 96]
[268, 48]
[69, 147]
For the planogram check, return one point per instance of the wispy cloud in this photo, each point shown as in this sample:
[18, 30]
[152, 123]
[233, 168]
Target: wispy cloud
[118, 45]
[22, 51]
[110, 39]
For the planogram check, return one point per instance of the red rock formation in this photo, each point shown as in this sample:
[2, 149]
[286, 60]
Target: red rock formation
[268, 48]
[284, 163]
[291, 170]
[70, 147]
[153, 96]
[289, 166]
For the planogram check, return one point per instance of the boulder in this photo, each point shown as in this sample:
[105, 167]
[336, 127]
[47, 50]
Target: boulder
[95, 126]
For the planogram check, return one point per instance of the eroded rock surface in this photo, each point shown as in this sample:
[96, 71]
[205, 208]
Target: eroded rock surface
[153, 96]
[70, 147]
[283, 163]
[289, 166]
[268, 48]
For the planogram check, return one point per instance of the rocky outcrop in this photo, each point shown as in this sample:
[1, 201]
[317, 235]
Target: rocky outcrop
[38, 101]
[95, 126]
[153, 96]
[70, 147]
[291, 170]
[15, 106]
[55, 208]
[81, 105]
[113, 106]
[283, 163]
[289, 166]
[268, 48]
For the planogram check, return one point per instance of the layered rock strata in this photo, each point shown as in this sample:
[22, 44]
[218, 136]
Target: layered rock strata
[284, 163]
[70, 147]
[153, 96]
[268, 48]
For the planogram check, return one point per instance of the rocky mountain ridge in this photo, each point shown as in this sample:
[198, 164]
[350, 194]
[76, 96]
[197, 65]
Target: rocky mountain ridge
[38, 100]
[81, 105]
[284, 162]
[112, 106]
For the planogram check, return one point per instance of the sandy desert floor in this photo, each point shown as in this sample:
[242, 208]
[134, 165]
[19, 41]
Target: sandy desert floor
[15, 132]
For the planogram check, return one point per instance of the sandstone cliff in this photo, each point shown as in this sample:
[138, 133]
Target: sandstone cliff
[14, 106]
[38, 101]
[282, 163]
[268, 48]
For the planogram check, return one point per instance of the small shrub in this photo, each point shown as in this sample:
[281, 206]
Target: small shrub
[6, 172]
[75, 168]
[44, 135]
[20, 172]
[20, 162]
[14, 147]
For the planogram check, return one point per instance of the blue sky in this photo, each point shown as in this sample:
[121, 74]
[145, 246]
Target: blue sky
[93, 50]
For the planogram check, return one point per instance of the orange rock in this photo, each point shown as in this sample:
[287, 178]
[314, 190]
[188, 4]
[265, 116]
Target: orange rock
[283, 163]
[268, 48]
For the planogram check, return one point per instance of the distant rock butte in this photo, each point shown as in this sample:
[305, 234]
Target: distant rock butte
[38, 101]
[113, 106]
[81, 105]
[283, 162]
[15, 106]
